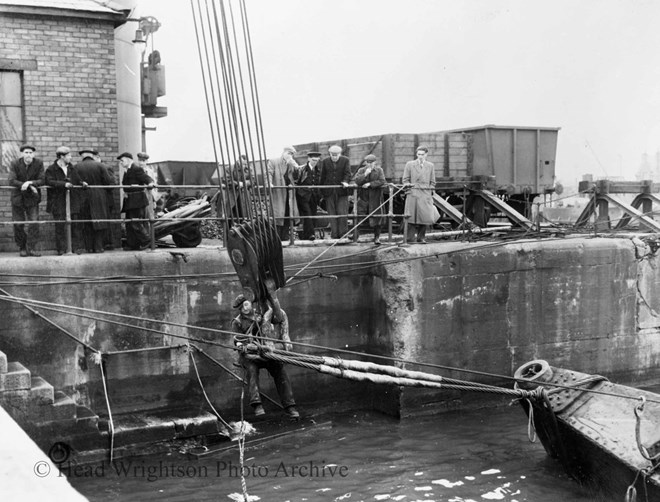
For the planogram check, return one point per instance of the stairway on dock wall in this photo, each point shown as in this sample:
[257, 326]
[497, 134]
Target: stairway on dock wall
[50, 416]
[35, 404]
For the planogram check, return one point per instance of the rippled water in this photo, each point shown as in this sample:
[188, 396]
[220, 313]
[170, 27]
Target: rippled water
[460, 456]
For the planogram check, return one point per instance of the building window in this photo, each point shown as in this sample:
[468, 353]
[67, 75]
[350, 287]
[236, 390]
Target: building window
[11, 116]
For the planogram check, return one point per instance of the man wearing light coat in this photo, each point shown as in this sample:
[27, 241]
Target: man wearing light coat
[419, 177]
[282, 172]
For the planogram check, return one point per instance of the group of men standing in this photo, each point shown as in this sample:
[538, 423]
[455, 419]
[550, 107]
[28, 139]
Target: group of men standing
[91, 205]
[335, 171]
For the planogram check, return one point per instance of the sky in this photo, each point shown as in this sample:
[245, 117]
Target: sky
[333, 69]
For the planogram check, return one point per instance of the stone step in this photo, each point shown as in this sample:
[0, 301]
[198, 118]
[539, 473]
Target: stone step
[41, 392]
[133, 429]
[85, 422]
[62, 408]
[15, 402]
[86, 418]
[17, 377]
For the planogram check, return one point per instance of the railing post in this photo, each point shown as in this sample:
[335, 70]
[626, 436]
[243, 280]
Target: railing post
[463, 214]
[405, 229]
[390, 209]
[356, 230]
[69, 245]
[152, 234]
[290, 193]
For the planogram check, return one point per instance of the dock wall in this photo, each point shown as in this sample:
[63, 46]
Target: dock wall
[584, 303]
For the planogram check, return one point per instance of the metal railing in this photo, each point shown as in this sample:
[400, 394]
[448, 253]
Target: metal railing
[389, 190]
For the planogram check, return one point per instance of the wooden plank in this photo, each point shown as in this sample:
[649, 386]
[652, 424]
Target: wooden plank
[458, 151]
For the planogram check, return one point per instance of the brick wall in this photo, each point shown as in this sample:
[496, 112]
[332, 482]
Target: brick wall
[69, 98]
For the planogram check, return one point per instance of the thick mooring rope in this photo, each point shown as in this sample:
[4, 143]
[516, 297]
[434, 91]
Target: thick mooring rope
[388, 375]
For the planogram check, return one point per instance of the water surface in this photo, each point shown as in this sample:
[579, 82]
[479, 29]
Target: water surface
[458, 457]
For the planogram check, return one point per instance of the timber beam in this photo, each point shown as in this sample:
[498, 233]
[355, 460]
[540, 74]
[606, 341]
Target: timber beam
[640, 209]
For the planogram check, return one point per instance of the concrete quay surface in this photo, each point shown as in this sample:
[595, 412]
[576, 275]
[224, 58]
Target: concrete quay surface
[580, 302]
[26, 473]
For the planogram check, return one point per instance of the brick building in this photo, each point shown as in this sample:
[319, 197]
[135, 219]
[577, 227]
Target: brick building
[58, 86]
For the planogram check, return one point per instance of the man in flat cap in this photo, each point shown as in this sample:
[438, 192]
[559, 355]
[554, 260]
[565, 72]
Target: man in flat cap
[336, 170]
[94, 201]
[306, 197]
[135, 202]
[250, 328]
[153, 194]
[26, 175]
[61, 176]
[371, 179]
[282, 173]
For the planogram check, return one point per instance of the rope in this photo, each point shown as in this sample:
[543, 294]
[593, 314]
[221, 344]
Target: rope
[531, 428]
[60, 328]
[242, 380]
[639, 411]
[107, 403]
[362, 371]
[45, 306]
[201, 385]
[241, 447]
[631, 492]
[343, 236]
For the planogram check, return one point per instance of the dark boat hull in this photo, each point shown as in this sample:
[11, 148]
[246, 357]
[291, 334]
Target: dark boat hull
[593, 433]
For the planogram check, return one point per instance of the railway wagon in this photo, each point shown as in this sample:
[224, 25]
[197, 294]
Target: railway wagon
[518, 161]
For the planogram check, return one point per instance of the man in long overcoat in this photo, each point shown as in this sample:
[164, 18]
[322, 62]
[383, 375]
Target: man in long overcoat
[282, 173]
[419, 176]
[136, 201]
[371, 179]
[93, 201]
[336, 170]
[26, 175]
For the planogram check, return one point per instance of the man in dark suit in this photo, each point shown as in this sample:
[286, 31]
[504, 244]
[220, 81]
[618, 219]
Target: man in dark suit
[93, 201]
[306, 197]
[136, 201]
[61, 177]
[336, 170]
[26, 175]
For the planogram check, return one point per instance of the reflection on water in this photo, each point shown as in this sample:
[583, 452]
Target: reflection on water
[459, 457]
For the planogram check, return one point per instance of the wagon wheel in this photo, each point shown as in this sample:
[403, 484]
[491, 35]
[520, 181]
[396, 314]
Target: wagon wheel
[188, 237]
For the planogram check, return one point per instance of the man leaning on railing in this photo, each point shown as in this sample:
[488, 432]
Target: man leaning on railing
[60, 176]
[26, 175]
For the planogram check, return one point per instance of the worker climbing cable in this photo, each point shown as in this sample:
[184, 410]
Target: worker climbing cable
[252, 332]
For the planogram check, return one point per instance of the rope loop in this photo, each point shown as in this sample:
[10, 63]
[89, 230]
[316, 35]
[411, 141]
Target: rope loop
[531, 428]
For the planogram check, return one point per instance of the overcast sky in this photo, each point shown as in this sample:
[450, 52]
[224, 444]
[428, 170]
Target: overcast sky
[332, 69]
